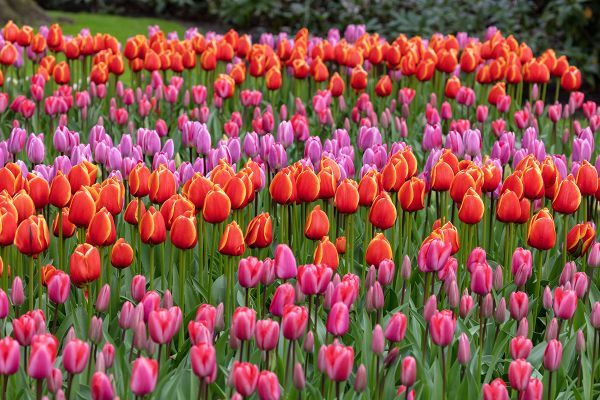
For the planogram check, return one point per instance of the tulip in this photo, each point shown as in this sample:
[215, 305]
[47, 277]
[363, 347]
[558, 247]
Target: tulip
[243, 323]
[396, 328]
[232, 240]
[204, 360]
[553, 355]
[496, 390]
[101, 387]
[268, 386]
[42, 356]
[285, 262]
[293, 322]
[32, 236]
[383, 212]
[121, 255]
[338, 361]
[101, 229]
[144, 374]
[267, 334]
[59, 286]
[565, 303]
[520, 347]
[317, 224]
[518, 305]
[580, 238]
[245, 377]
[442, 326]
[567, 197]
[464, 350]
[519, 372]
[9, 356]
[152, 227]
[541, 233]
[75, 356]
[259, 233]
[326, 254]
[84, 265]
[379, 249]
[338, 319]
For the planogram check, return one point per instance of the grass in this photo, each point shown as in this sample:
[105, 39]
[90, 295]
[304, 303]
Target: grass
[121, 27]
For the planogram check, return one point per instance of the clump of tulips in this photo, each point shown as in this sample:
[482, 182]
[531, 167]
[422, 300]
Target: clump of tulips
[349, 216]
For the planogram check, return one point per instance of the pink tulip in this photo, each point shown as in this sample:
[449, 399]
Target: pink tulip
[102, 388]
[595, 315]
[521, 266]
[203, 359]
[518, 305]
[565, 303]
[396, 328]
[144, 374]
[266, 334]
[481, 278]
[207, 314]
[466, 305]
[338, 319]
[151, 302]
[268, 386]
[338, 361]
[284, 295]
[293, 322]
[42, 356]
[313, 279]
[464, 349]
[298, 377]
[553, 355]
[103, 299]
[59, 287]
[378, 340]
[199, 333]
[285, 262]
[108, 351]
[495, 390]
[24, 329]
[519, 372]
[520, 347]
[9, 356]
[385, 272]
[55, 381]
[433, 255]
[408, 374]
[442, 326]
[75, 356]
[163, 324]
[138, 287]
[249, 271]
[245, 378]
[243, 323]
[534, 391]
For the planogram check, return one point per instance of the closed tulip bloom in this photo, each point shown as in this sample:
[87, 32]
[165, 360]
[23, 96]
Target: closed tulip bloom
[442, 326]
[203, 359]
[508, 208]
[464, 349]
[144, 375]
[101, 387]
[60, 190]
[580, 238]
[293, 322]
[75, 356]
[338, 360]
[152, 227]
[471, 208]
[284, 295]
[8, 219]
[518, 305]
[9, 356]
[595, 315]
[59, 286]
[519, 372]
[17, 295]
[433, 255]
[84, 264]
[496, 390]
[68, 229]
[243, 323]
[266, 334]
[565, 303]
[162, 185]
[259, 233]
[587, 179]
[317, 224]
[520, 347]
[285, 262]
[412, 195]
[82, 174]
[553, 355]
[594, 256]
[101, 230]
[268, 386]
[282, 188]
[217, 206]
[379, 249]
[245, 378]
[32, 236]
[481, 278]
[347, 197]
[82, 208]
[313, 279]
[42, 356]
[368, 188]
[121, 255]
[183, 232]
[232, 240]
[541, 233]
[338, 319]
[567, 197]
[521, 266]
[326, 253]
[396, 328]
[308, 185]
[23, 204]
[163, 324]
[383, 212]
[249, 271]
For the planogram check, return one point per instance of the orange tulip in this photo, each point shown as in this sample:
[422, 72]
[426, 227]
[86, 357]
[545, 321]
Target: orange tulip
[571, 79]
[514, 183]
[82, 208]
[47, 272]
[24, 205]
[101, 230]
[471, 209]
[259, 233]
[346, 197]
[183, 231]
[379, 249]
[8, 224]
[340, 244]
[282, 187]
[452, 87]
[111, 195]
[508, 209]
[11, 179]
[580, 238]
[82, 174]
[567, 197]
[541, 233]
[237, 190]
[216, 206]
[587, 179]
[461, 183]
[441, 176]
[152, 227]
[174, 207]
[326, 253]
[121, 255]
[368, 188]
[336, 85]
[232, 240]
[162, 184]
[317, 224]
[39, 191]
[60, 190]
[328, 182]
[196, 190]
[61, 73]
[84, 264]
[533, 183]
[273, 78]
[32, 236]
[358, 78]
[138, 180]
[383, 212]
[131, 212]
[307, 185]
[383, 87]
[68, 228]
[412, 195]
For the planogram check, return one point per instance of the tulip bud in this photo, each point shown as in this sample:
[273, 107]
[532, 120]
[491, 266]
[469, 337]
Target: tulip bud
[167, 301]
[553, 355]
[378, 340]
[138, 287]
[594, 253]
[580, 342]
[95, 333]
[464, 349]
[453, 295]
[299, 379]
[523, 328]
[391, 357]
[54, 380]
[309, 342]
[103, 299]
[108, 352]
[500, 313]
[430, 308]
[219, 318]
[100, 364]
[487, 308]
[552, 330]
[360, 381]
[406, 269]
[595, 315]
[547, 298]
[408, 374]
[17, 295]
[498, 280]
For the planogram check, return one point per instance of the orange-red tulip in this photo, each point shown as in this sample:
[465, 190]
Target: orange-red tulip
[307, 186]
[282, 187]
[162, 184]
[472, 208]
[412, 195]
[259, 233]
[580, 238]
[379, 249]
[232, 240]
[39, 191]
[541, 233]
[347, 197]
[216, 206]
[152, 227]
[101, 230]
[121, 254]
[175, 206]
[383, 212]
[68, 228]
[138, 180]
[508, 209]
[567, 197]
[587, 179]
[32, 236]
[183, 231]
[326, 253]
[317, 224]
[82, 174]
[60, 190]
[84, 264]
[82, 208]
[131, 212]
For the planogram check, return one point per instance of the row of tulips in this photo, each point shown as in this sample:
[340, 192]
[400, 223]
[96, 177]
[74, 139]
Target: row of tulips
[420, 223]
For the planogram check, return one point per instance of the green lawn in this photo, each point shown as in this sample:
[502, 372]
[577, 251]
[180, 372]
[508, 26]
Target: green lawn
[120, 27]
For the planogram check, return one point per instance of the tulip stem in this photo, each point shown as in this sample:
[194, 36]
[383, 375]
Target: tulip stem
[69, 385]
[152, 267]
[550, 386]
[38, 392]
[443, 374]
[538, 284]
[30, 283]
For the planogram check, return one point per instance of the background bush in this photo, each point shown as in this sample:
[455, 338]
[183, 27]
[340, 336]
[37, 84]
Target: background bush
[571, 27]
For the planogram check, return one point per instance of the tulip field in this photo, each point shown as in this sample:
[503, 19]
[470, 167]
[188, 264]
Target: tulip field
[294, 216]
